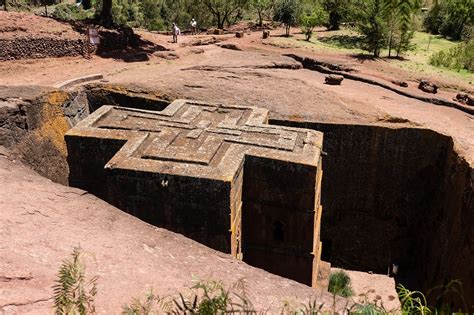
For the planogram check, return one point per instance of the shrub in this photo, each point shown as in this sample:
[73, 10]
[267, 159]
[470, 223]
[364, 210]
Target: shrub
[456, 58]
[309, 21]
[413, 302]
[450, 18]
[287, 12]
[72, 293]
[340, 284]
[67, 12]
[208, 297]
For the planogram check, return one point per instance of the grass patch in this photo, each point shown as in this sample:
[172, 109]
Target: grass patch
[348, 41]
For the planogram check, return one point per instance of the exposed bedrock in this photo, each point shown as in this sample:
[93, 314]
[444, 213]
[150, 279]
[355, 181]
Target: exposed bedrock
[397, 195]
[389, 194]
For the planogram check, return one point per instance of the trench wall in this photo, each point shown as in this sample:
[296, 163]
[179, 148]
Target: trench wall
[397, 195]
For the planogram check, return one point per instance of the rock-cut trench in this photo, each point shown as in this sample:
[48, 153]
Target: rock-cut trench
[390, 194]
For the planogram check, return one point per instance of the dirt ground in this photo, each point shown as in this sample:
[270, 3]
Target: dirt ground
[20, 24]
[130, 256]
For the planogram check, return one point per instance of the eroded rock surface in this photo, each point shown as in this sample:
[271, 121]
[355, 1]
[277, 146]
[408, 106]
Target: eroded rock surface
[40, 223]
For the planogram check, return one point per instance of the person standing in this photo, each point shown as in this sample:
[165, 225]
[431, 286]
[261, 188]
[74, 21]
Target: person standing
[193, 27]
[175, 32]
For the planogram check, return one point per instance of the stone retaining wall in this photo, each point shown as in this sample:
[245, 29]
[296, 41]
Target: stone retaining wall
[33, 48]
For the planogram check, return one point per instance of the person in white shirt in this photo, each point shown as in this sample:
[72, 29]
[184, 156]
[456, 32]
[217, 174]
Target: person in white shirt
[175, 33]
[193, 27]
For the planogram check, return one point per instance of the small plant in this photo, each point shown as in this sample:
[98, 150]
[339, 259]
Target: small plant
[207, 298]
[137, 307]
[340, 284]
[214, 299]
[366, 307]
[412, 302]
[450, 291]
[72, 293]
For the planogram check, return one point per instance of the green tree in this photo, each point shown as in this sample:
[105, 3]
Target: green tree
[287, 12]
[309, 20]
[339, 11]
[391, 10]
[450, 18]
[106, 16]
[261, 7]
[373, 26]
[151, 11]
[224, 10]
[406, 9]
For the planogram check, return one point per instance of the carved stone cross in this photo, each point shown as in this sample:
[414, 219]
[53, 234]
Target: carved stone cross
[215, 173]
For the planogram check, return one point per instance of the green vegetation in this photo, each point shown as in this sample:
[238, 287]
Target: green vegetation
[387, 24]
[287, 12]
[413, 302]
[373, 27]
[340, 284]
[451, 18]
[262, 8]
[339, 11]
[206, 298]
[383, 25]
[72, 293]
[457, 58]
[65, 11]
[309, 20]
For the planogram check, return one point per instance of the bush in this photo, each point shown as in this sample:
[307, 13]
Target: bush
[72, 293]
[340, 284]
[287, 12]
[457, 58]
[450, 18]
[70, 12]
[308, 21]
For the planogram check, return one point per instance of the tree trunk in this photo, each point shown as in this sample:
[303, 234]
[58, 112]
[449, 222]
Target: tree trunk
[5, 4]
[220, 21]
[390, 42]
[287, 30]
[260, 18]
[106, 18]
[86, 4]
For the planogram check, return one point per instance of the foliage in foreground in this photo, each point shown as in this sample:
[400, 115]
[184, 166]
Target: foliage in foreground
[73, 294]
[207, 297]
[457, 58]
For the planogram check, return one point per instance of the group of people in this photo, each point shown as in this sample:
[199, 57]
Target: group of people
[176, 31]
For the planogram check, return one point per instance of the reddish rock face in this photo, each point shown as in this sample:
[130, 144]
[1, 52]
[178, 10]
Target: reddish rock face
[217, 174]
